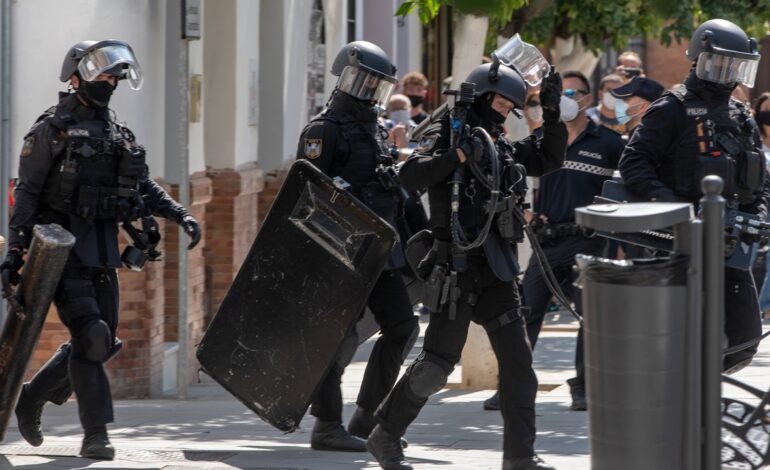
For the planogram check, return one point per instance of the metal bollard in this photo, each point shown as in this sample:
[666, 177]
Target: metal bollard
[713, 206]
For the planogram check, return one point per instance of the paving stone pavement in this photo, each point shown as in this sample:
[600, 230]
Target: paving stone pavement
[212, 430]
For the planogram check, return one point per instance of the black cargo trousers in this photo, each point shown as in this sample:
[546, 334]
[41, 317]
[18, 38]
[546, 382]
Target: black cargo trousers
[392, 309]
[493, 304]
[87, 301]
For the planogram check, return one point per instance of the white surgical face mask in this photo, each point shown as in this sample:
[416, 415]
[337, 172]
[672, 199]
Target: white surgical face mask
[608, 101]
[534, 113]
[400, 116]
[569, 108]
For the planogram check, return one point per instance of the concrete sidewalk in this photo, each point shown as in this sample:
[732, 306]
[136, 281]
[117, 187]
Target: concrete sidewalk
[212, 430]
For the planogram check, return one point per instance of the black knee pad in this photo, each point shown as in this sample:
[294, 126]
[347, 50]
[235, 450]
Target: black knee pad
[93, 342]
[426, 377]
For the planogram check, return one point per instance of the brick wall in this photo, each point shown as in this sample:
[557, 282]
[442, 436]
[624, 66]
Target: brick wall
[200, 196]
[232, 227]
[668, 65]
[273, 183]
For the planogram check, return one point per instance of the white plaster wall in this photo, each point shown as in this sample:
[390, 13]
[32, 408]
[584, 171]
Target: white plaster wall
[335, 26]
[246, 50]
[219, 82]
[380, 25]
[41, 39]
[296, 22]
[196, 150]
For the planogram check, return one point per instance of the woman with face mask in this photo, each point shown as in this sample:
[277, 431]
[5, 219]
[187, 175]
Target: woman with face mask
[604, 112]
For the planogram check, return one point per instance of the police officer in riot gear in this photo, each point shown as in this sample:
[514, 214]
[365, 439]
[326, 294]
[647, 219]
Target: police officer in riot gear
[478, 279]
[697, 130]
[81, 169]
[346, 140]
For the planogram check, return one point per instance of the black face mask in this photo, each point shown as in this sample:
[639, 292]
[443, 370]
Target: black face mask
[416, 100]
[96, 94]
[489, 119]
[763, 117]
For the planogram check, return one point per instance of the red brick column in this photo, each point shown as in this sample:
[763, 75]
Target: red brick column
[273, 183]
[200, 196]
[231, 219]
[137, 372]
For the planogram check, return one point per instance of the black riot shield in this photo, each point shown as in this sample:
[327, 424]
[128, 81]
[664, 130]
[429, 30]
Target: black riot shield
[300, 289]
[27, 309]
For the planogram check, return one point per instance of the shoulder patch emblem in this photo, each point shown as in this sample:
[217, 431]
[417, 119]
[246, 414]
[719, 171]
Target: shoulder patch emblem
[313, 148]
[426, 143]
[26, 149]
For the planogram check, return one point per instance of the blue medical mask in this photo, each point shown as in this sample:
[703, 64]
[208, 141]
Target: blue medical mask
[621, 111]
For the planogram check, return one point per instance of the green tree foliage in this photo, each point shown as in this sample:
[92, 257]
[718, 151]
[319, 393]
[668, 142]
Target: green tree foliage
[601, 21]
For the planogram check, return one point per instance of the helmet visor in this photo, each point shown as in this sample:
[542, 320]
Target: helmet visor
[366, 85]
[724, 69]
[108, 58]
[525, 58]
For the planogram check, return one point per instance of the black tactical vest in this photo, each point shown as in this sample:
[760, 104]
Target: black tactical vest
[85, 179]
[723, 141]
[361, 149]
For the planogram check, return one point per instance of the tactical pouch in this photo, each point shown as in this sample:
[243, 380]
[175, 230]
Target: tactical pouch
[434, 288]
[751, 176]
[722, 166]
[87, 202]
[131, 162]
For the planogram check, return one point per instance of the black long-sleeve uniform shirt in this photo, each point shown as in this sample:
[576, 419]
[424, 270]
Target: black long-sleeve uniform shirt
[44, 146]
[646, 165]
[433, 163]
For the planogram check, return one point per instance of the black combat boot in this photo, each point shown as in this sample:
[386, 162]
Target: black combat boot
[493, 402]
[96, 445]
[28, 412]
[526, 463]
[386, 448]
[361, 423]
[330, 435]
[577, 389]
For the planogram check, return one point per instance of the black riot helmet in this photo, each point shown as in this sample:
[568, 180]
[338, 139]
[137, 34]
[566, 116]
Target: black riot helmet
[506, 83]
[365, 72]
[90, 58]
[723, 53]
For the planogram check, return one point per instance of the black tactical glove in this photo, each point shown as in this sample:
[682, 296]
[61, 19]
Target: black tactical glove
[191, 228]
[9, 269]
[550, 96]
[472, 147]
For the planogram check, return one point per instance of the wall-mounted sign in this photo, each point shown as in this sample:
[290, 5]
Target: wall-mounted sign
[191, 19]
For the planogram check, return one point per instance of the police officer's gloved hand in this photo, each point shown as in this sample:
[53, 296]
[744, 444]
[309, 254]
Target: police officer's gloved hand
[550, 96]
[472, 147]
[192, 229]
[9, 269]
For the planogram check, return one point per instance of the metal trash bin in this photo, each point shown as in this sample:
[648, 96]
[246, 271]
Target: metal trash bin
[635, 360]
